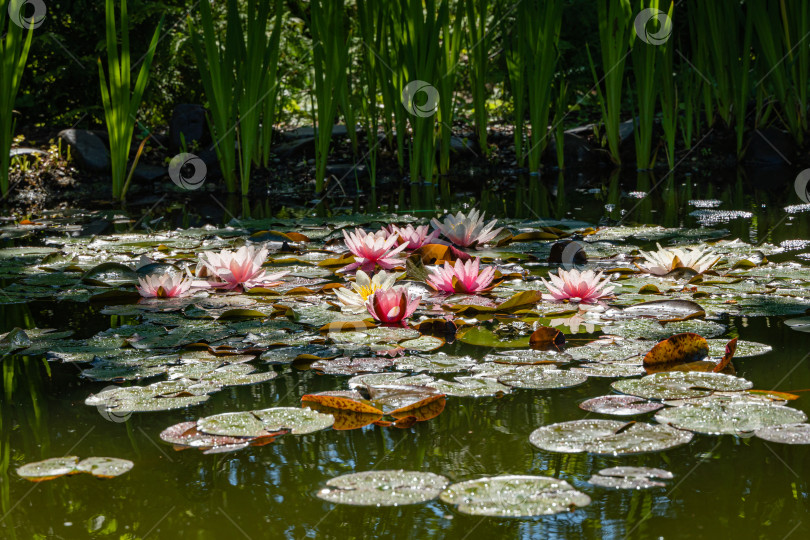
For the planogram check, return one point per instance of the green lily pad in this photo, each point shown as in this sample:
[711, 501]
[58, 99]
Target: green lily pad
[383, 488]
[49, 468]
[785, 433]
[681, 385]
[470, 387]
[435, 363]
[542, 379]
[619, 405]
[105, 467]
[607, 437]
[514, 496]
[263, 422]
[630, 478]
[734, 418]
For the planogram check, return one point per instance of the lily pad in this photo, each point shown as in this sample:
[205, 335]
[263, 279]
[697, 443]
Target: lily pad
[49, 468]
[630, 478]
[435, 363]
[733, 418]
[105, 467]
[470, 387]
[263, 422]
[383, 488]
[619, 405]
[785, 433]
[514, 496]
[542, 379]
[680, 385]
[607, 437]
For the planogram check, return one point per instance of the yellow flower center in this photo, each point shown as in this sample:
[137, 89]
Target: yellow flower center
[367, 291]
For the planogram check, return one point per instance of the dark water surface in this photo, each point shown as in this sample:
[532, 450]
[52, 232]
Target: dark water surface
[724, 487]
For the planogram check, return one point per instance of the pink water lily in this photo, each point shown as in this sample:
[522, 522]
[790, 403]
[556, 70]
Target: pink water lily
[372, 249]
[237, 269]
[463, 277]
[414, 238]
[164, 285]
[392, 306]
[467, 230]
[585, 287]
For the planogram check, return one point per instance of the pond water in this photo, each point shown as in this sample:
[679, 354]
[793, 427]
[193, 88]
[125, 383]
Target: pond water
[723, 486]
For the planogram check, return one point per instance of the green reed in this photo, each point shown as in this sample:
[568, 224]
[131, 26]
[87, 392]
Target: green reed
[516, 71]
[372, 34]
[648, 76]
[119, 99]
[417, 31]
[690, 85]
[330, 55]
[668, 95]
[780, 30]
[725, 32]
[238, 69]
[540, 36]
[615, 36]
[451, 39]
[560, 110]
[14, 48]
[480, 40]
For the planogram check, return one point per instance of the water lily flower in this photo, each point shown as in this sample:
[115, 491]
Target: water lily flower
[392, 306]
[467, 230]
[168, 285]
[414, 238]
[665, 260]
[235, 269]
[371, 249]
[363, 287]
[586, 287]
[463, 277]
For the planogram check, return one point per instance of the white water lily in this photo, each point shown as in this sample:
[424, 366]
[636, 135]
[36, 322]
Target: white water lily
[363, 287]
[665, 260]
[467, 230]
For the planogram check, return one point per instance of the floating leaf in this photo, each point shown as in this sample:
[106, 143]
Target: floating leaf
[785, 433]
[435, 363]
[630, 478]
[48, 469]
[542, 379]
[383, 488]
[679, 349]
[546, 338]
[680, 385]
[470, 387]
[343, 400]
[240, 314]
[607, 437]
[105, 467]
[619, 405]
[423, 343]
[263, 422]
[514, 496]
[732, 417]
[484, 337]
[666, 310]
[352, 366]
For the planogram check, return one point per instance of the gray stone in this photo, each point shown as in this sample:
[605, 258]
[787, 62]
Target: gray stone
[148, 173]
[88, 150]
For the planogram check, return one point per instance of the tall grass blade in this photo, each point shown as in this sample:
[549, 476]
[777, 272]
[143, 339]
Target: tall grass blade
[14, 48]
[120, 101]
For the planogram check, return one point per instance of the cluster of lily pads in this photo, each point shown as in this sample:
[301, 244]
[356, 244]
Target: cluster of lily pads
[650, 320]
